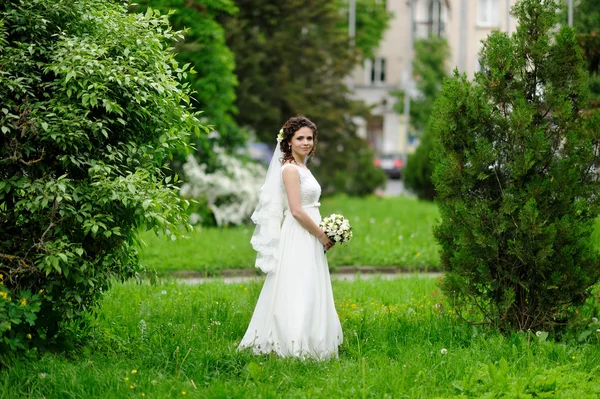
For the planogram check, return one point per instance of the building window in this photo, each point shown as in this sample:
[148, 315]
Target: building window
[377, 71]
[488, 12]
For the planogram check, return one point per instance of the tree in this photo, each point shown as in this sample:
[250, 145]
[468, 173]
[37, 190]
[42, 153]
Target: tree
[293, 58]
[91, 106]
[517, 191]
[203, 47]
[586, 22]
[430, 69]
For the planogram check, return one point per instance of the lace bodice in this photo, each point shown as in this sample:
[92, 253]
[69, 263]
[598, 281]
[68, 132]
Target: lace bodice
[310, 190]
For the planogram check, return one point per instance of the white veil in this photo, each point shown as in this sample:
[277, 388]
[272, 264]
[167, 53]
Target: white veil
[268, 215]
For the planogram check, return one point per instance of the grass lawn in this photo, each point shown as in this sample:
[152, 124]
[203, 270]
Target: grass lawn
[180, 341]
[387, 232]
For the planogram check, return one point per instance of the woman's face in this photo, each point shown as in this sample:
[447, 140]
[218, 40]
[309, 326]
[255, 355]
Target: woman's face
[302, 141]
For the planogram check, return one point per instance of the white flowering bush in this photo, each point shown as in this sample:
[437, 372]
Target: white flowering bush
[337, 227]
[231, 192]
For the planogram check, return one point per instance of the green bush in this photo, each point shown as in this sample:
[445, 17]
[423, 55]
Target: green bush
[91, 106]
[514, 175]
[417, 175]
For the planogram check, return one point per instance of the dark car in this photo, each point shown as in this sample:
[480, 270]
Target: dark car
[391, 164]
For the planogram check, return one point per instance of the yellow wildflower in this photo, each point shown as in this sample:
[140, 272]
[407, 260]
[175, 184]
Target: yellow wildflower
[133, 371]
[126, 378]
[23, 301]
[183, 393]
[28, 336]
[131, 386]
[3, 294]
[143, 394]
[41, 291]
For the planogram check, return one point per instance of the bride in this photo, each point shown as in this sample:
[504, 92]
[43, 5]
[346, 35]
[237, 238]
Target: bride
[295, 314]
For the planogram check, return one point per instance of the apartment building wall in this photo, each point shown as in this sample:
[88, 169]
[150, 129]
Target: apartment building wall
[375, 79]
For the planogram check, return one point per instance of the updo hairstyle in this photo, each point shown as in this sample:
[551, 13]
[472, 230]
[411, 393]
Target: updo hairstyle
[289, 128]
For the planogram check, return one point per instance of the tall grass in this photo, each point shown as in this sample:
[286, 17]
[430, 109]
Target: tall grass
[180, 341]
[387, 232]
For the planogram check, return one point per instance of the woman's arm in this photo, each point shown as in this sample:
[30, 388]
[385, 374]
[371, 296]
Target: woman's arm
[291, 180]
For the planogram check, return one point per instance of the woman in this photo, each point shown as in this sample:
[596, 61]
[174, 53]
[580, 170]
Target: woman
[295, 313]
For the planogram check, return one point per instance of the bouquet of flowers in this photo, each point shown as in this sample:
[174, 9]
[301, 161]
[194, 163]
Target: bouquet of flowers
[337, 227]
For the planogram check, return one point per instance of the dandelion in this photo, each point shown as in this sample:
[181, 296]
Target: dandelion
[538, 333]
[28, 336]
[3, 294]
[43, 376]
[444, 351]
[594, 320]
[126, 378]
[131, 386]
[23, 301]
[417, 254]
[133, 371]
[143, 394]
[163, 292]
[183, 393]
[598, 331]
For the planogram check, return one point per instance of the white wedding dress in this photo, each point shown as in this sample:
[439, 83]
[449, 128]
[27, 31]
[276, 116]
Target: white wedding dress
[295, 314]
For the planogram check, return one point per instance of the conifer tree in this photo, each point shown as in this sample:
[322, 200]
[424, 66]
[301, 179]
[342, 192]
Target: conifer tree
[517, 191]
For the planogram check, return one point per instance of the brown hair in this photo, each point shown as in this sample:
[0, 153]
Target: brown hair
[289, 129]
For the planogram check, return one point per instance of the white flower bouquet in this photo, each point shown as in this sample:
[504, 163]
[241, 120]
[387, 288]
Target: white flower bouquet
[337, 227]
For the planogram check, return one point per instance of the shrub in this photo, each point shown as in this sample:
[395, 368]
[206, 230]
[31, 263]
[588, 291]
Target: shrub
[91, 106]
[514, 177]
[417, 176]
[231, 192]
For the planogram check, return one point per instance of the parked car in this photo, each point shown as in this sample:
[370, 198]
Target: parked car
[392, 164]
[260, 152]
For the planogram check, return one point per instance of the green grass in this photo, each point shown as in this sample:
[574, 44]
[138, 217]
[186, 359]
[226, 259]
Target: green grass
[387, 232]
[182, 338]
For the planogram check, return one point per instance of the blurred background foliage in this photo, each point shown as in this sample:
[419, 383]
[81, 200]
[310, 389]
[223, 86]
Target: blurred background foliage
[259, 62]
[430, 68]
[586, 22]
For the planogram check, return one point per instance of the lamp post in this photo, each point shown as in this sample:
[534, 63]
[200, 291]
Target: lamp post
[507, 16]
[570, 12]
[411, 49]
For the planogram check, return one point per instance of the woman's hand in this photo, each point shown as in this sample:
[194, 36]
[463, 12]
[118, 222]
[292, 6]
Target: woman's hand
[326, 241]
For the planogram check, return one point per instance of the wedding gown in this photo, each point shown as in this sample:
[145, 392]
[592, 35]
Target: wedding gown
[295, 314]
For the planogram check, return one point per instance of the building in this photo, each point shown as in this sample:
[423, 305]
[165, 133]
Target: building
[464, 23]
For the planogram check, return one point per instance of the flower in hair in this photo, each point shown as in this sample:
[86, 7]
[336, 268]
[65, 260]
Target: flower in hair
[280, 136]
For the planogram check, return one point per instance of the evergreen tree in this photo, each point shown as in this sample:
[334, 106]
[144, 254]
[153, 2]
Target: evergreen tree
[293, 58]
[517, 191]
[430, 69]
